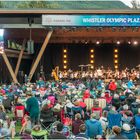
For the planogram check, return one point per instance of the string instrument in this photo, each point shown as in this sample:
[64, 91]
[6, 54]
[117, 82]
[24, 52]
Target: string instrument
[55, 73]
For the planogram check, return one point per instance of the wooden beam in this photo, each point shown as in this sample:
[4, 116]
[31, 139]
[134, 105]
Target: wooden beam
[9, 67]
[20, 57]
[92, 11]
[39, 55]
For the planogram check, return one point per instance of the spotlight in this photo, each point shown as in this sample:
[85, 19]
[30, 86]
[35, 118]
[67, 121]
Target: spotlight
[92, 56]
[97, 42]
[116, 50]
[1, 41]
[116, 61]
[118, 42]
[116, 56]
[87, 28]
[92, 51]
[129, 42]
[116, 67]
[64, 50]
[124, 29]
[92, 67]
[135, 42]
[65, 56]
[91, 61]
[65, 61]
[113, 29]
[137, 29]
[1, 32]
[65, 67]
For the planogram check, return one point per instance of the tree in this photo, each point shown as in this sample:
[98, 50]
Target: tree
[1, 5]
[38, 4]
[135, 4]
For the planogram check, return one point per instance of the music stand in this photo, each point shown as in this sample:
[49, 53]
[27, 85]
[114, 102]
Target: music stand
[82, 67]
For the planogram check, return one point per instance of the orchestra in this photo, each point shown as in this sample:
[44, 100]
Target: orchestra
[101, 73]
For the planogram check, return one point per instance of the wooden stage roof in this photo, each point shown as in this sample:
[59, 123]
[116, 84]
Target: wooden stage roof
[76, 35]
[17, 27]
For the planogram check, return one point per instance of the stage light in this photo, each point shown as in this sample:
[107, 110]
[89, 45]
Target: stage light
[116, 67]
[135, 42]
[116, 50]
[92, 67]
[64, 50]
[65, 61]
[65, 56]
[118, 42]
[91, 61]
[92, 51]
[129, 42]
[1, 32]
[65, 67]
[116, 56]
[97, 42]
[113, 29]
[92, 56]
[1, 41]
[116, 61]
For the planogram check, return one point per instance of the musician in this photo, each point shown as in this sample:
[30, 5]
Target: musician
[99, 73]
[60, 74]
[54, 75]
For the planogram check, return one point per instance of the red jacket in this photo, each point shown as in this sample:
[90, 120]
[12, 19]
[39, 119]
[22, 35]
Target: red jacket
[112, 86]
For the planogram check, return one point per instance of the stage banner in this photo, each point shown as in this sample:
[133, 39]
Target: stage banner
[91, 20]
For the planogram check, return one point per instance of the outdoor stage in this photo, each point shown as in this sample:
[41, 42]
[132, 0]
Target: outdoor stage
[111, 44]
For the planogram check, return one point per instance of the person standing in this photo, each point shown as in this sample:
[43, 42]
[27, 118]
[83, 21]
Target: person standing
[32, 106]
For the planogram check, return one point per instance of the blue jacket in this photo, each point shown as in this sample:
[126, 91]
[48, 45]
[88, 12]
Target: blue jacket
[130, 84]
[94, 128]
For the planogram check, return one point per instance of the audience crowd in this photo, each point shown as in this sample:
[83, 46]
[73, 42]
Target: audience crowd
[70, 109]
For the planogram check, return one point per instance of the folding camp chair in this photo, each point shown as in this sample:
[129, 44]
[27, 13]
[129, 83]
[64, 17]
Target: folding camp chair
[114, 119]
[19, 112]
[129, 134]
[39, 134]
[97, 111]
[76, 110]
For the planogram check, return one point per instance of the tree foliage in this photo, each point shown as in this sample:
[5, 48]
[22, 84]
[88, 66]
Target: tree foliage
[38, 4]
[135, 4]
[1, 5]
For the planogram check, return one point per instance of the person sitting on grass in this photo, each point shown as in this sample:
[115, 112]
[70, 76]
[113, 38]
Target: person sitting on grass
[82, 135]
[76, 124]
[38, 133]
[26, 135]
[116, 133]
[9, 129]
[2, 113]
[58, 134]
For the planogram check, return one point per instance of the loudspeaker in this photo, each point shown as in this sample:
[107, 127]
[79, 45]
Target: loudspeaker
[30, 46]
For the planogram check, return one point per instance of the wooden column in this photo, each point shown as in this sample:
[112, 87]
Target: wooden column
[9, 68]
[20, 57]
[39, 55]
